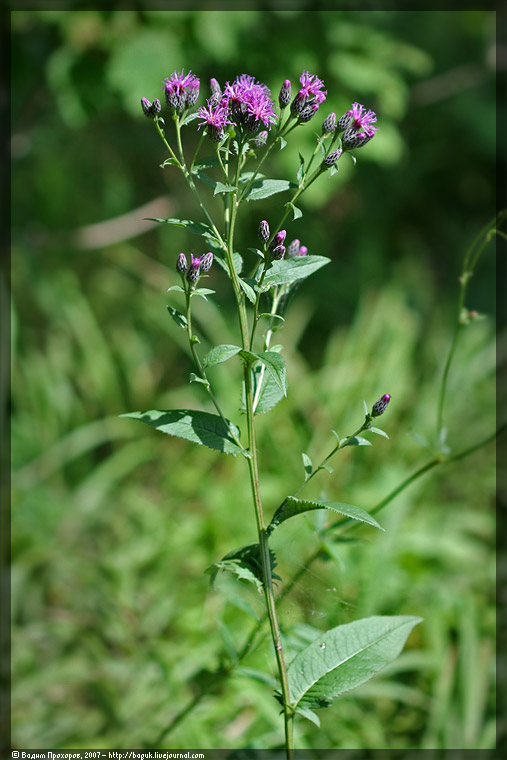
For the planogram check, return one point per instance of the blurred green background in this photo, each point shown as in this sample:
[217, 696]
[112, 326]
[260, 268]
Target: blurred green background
[114, 524]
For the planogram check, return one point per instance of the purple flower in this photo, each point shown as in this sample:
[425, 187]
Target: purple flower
[249, 102]
[313, 85]
[310, 94]
[353, 139]
[380, 406]
[194, 270]
[215, 116]
[357, 123]
[359, 119]
[278, 239]
[181, 90]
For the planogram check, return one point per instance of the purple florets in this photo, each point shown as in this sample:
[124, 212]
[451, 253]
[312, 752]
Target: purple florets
[309, 97]
[358, 125]
[181, 90]
[249, 103]
[216, 117]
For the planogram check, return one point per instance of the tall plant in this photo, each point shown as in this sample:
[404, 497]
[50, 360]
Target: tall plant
[243, 126]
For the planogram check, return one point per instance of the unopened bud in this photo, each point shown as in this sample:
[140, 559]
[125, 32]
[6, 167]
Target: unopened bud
[284, 96]
[344, 121]
[215, 88]
[298, 103]
[293, 248]
[380, 406]
[353, 139]
[194, 270]
[332, 157]
[260, 139]
[303, 251]
[192, 93]
[206, 262]
[278, 252]
[308, 112]
[150, 109]
[181, 263]
[329, 124]
[264, 231]
[278, 239]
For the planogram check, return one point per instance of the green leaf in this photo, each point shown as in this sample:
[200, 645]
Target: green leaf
[203, 292]
[292, 506]
[307, 463]
[199, 427]
[220, 259]
[345, 657]
[247, 176]
[275, 365]
[288, 271]
[178, 288]
[299, 175]
[179, 318]
[308, 714]
[283, 143]
[378, 431]
[268, 315]
[263, 188]
[206, 179]
[220, 354]
[248, 284]
[266, 391]
[196, 379]
[358, 440]
[197, 228]
[188, 118]
[170, 162]
[205, 163]
[297, 213]
[257, 252]
[221, 188]
[246, 563]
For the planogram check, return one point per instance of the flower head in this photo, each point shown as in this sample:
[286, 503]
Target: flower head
[309, 94]
[313, 85]
[150, 109]
[380, 406]
[181, 90]
[358, 125]
[215, 116]
[250, 102]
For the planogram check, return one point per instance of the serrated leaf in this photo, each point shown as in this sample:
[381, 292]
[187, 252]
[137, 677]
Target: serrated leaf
[266, 391]
[247, 285]
[179, 318]
[293, 506]
[288, 271]
[275, 365]
[235, 567]
[220, 354]
[205, 163]
[199, 427]
[378, 431]
[358, 440]
[221, 188]
[297, 213]
[345, 657]
[247, 176]
[263, 188]
[307, 464]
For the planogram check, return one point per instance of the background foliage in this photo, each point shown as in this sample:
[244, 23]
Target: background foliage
[113, 525]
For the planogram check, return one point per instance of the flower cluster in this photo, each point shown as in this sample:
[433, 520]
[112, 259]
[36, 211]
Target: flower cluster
[198, 266]
[245, 103]
[181, 90]
[276, 246]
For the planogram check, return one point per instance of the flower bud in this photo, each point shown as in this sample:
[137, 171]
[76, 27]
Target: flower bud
[192, 93]
[344, 121]
[308, 112]
[217, 134]
[293, 248]
[206, 262]
[284, 96]
[150, 109]
[181, 264]
[260, 140]
[194, 270]
[278, 252]
[303, 251]
[298, 103]
[380, 406]
[353, 139]
[332, 158]
[329, 124]
[278, 239]
[215, 88]
[264, 231]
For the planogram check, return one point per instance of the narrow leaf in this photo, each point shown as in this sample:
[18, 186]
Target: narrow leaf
[283, 143]
[196, 379]
[287, 271]
[307, 463]
[197, 228]
[177, 288]
[378, 431]
[247, 285]
[220, 354]
[179, 318]
[199, 427]
[297, 213]
[345, 657]
[308, 714]
[292, 506]
[263, 188]
[358, 440]
[169, 162]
